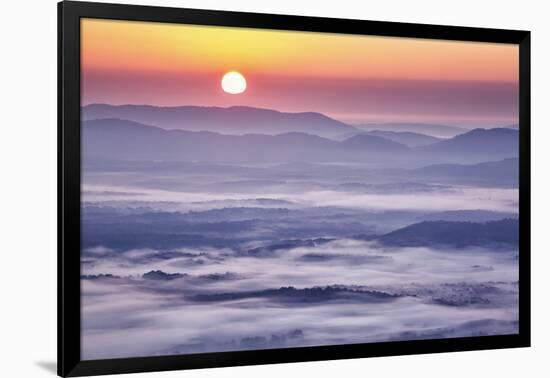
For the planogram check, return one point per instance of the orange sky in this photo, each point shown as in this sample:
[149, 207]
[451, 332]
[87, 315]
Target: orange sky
[179, 63]
[146, 46]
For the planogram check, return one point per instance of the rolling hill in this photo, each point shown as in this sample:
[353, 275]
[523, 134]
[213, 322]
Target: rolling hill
[487, 144]
[502, 172]
[502, 233]
[235, 120]
[127, 140]
[438, 131]
[118, 139]
[406, 138]
[373, 143]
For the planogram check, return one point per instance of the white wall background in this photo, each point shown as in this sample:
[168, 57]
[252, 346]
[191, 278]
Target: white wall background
[28, 186]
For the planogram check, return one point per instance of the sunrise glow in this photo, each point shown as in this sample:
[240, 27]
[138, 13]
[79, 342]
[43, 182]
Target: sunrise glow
[353, 78]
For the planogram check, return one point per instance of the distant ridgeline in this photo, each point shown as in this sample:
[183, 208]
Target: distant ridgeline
[241, 134]
[501, 233]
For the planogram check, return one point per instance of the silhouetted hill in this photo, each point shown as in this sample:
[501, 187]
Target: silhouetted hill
[159, 275]
[502, 233]
[231, 120]
[406, 138]
[128, 140]
[490, 144]
[502, 172]
[305, 295]
[439, 131]
[118, 139]
[373, 143]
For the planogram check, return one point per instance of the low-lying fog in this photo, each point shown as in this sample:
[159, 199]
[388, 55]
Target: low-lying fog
[194, 261]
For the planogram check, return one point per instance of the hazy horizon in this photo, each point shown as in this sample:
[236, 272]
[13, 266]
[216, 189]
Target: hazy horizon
[351, 78]
[352, 122]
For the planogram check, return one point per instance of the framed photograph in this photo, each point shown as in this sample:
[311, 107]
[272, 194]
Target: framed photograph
[240, 188]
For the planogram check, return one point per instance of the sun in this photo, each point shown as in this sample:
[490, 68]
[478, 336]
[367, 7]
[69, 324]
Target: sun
[233, 82]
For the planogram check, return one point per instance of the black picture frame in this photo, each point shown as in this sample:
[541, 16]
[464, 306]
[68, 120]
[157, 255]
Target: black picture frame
[69, 170]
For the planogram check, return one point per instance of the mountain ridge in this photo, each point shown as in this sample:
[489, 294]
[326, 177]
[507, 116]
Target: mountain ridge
[431, 129]
[232, 120]
[461, 234]
[104, 137]
[495, 143]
